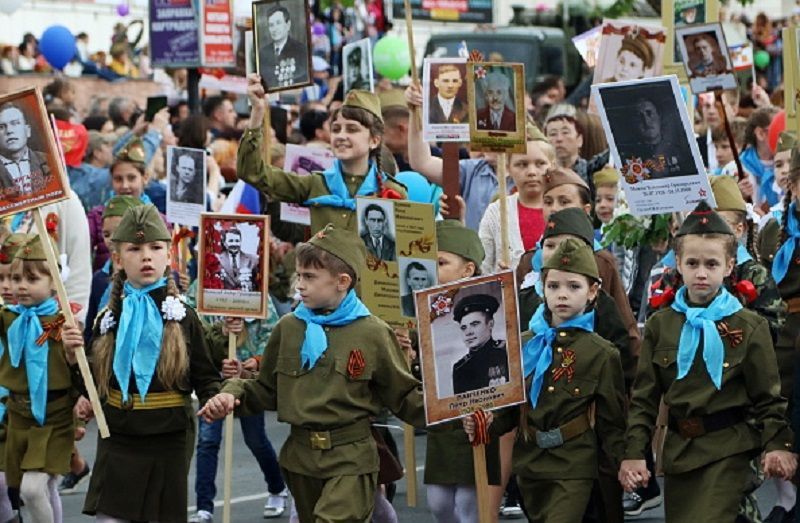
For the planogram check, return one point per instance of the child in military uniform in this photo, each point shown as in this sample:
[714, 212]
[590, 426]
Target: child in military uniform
[449, 472]
[328, 367]
[723, 396]
[148, 354]
[356, 137]
[569, 369]
[42, 379]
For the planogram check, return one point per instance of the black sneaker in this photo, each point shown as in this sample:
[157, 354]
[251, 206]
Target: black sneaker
[635, 503]
[72, 480]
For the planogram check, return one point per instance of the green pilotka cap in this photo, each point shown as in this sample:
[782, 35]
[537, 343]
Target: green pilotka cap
[727, 194]
[534, 134]
[132, 152]
[703, 220]
[33, 249]
[786, 142]
[364, 100]
[344, 244]
[118, 205]
[452, 236]
[8, 251]
[141, 224]
[476, 303]
[557, 176]
[606, 176]
[573, 256]
[571, 220]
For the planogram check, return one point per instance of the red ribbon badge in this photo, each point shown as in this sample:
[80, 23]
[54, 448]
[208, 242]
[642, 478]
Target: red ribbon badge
[567, 367]
[356, 364]
[481, 436]
[735, 336]
[51, 329]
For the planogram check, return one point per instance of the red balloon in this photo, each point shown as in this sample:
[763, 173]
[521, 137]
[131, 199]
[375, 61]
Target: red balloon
[776, 127]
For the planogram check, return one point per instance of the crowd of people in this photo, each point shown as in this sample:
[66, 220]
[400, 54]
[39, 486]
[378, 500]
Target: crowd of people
[690, 332]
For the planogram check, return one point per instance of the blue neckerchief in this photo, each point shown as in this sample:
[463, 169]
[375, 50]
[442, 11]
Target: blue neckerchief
[107, 292]
[3, 395]
[780, 265]
[764, 176]
[742, 255]
[703, 319]
[669, 260]
[316, 341]
[537, 354]
[597, 246]
[16, 222]
[22, 336]
[138, 343]
[339, 195]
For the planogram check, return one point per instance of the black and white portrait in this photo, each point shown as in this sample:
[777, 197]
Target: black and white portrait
[282, 43]
[236, 266]
[706, 58]
[357, 63]
[186, 187]
[648, 132]
[416, 274]
[376, 228]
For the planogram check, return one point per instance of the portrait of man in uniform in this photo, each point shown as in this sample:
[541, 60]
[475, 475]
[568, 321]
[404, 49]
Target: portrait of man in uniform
[705, 58]
[237, 267]
[282, 44]
[357, 63]
[486, 361]
[447, 104]
[23, 171]
[375, 233]
[498, 112]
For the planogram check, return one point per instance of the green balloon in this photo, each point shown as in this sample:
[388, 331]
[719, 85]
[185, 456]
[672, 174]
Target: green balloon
[761, 59]
[391, 58]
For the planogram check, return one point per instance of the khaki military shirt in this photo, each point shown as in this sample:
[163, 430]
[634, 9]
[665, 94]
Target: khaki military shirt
[291, 188]
[328, 396]
[749, 381]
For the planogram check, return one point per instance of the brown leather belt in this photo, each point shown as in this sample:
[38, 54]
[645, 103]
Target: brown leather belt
[548, 439]
[327, 439]
[690, 428]
[793, 305]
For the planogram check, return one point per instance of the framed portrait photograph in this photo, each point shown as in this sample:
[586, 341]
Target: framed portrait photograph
[416, 274]
[497, 112]
[470, 349]
[233, 272]
[706, 58]
[32, 170]
[186, 185]
[629, 52]
[681, 13]
[376, 228]
[303, 160]
[652, 143]
[357, 66]
[282, 42]
[445, 110]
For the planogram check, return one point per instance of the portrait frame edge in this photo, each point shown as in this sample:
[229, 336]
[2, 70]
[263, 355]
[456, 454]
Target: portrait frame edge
[479, 138]
[307, 10]
[53, 150]
[263, 260]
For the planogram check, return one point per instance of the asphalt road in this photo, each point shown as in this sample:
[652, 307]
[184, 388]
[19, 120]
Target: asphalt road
[249, 489]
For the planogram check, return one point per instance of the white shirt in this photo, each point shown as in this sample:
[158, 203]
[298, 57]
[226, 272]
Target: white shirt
[20, 172]
[496, 116]
[446, 105]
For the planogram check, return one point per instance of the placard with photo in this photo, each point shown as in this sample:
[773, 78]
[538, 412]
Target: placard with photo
[233, 271]
[303, 160]
[282, 43]
[496, 92]
[445, 109]
[685, 13]
[186, 185]
[357, 66]
[470, 349]
[705, 57]
[629, 52]
[652, 143]
[743, 67]
[400, 241]
[32, 172]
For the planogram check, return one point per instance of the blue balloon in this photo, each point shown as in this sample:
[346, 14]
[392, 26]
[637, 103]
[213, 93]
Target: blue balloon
[58, 46]
[420, 190]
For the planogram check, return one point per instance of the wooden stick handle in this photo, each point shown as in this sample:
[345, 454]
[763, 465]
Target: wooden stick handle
[412, 54]
[502, 189]
[452, 181]
[410, 446]
[228, 474]
[481, 483]
[724, 115]
[69, 319]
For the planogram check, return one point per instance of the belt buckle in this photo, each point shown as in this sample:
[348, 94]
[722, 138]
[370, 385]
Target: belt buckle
[126, 404]
[549, 439]
[320, 440]
[691, 428]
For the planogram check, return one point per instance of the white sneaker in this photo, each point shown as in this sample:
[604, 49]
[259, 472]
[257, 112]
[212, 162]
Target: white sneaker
[202, 516]
[275, 505]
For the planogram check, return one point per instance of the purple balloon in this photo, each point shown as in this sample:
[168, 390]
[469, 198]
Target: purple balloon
[123, 9]
[318, 29]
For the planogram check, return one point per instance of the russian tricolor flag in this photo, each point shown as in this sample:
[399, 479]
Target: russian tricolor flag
[243, 199]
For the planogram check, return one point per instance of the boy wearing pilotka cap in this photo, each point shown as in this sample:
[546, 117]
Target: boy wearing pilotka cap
[328, 367]
[713, 362]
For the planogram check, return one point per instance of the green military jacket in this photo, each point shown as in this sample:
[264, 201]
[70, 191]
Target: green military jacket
[292, 188]
[769, 241]
[328, 396]
[749, 381]
[598, 381]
